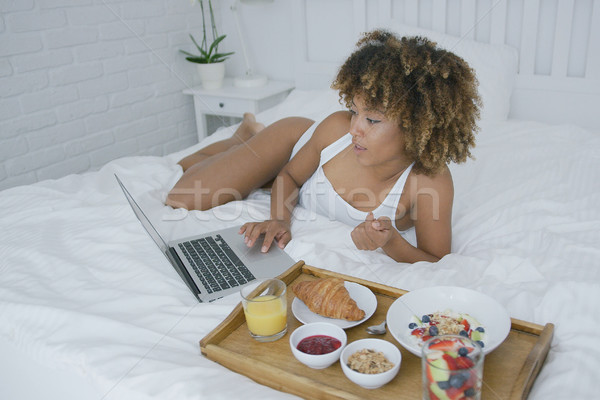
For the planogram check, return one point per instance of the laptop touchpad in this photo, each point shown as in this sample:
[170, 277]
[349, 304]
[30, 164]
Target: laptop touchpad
[254, 254]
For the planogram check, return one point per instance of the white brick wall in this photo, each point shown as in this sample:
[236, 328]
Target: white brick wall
[83, 82]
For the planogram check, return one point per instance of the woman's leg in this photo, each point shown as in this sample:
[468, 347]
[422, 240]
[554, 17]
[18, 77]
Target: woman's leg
[230, 170]
[248, 128]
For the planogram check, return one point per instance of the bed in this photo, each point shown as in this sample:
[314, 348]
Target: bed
[89, 309]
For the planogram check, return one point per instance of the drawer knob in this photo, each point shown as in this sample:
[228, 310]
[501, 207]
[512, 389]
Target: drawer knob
[221, 105]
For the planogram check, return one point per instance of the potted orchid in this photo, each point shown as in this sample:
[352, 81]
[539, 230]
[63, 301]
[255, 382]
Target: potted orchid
[210, 62]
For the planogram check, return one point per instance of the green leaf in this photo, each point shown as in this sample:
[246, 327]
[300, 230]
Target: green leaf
[216, 43]
[207, 55]
[187, 53]
[219, 40]
[218, 57]
[204, 53]
[196, 43]
[197, 60]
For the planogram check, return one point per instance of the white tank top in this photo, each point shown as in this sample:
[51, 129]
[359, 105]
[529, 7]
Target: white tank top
[317, 193]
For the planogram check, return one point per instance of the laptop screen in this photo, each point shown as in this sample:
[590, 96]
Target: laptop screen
[144, 220]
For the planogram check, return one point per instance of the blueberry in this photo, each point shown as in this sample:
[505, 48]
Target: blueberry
[425, 319]
[480, 343]
[463, 333]
[412, 325]
[480, 329]
[433, 330]
[457, 381]
[444, 385]
[470, 392]
[463, 352]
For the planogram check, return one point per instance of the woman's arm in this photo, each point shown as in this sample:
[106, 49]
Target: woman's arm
[286, 187]
[431, 212]
[284, 197]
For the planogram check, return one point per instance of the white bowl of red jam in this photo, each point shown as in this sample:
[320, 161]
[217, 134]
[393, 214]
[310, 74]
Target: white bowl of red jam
[318, 345]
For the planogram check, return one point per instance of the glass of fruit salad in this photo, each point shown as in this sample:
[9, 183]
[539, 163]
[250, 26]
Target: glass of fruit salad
[452, 368]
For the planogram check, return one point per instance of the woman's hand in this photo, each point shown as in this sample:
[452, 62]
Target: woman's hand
[273, 229]
[373, 233]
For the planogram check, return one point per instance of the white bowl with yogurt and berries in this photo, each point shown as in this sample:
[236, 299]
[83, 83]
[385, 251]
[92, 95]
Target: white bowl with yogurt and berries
[424, 313]
[447, 322]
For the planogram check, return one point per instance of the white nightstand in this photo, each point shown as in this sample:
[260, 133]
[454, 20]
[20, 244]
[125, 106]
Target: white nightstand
[231, 101]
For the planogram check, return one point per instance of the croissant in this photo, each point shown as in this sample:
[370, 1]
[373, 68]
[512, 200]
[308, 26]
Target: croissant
[328, 297]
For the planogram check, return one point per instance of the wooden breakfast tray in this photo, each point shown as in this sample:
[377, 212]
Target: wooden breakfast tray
[508, 373]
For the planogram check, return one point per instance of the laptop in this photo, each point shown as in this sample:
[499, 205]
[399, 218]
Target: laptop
[215, 264]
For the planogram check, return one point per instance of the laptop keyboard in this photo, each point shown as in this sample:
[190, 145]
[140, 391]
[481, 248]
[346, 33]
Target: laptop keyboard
[217, 266]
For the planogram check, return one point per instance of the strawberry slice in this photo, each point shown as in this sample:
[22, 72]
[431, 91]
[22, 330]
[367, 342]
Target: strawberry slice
[464, 363]
[418, 332]
[454, 393]
[444, 345]
[451, 362]
[466, 324]
[432, 395]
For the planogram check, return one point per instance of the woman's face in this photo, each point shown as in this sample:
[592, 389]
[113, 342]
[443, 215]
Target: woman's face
[376, 139]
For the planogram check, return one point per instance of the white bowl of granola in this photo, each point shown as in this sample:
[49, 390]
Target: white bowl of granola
[370, 363]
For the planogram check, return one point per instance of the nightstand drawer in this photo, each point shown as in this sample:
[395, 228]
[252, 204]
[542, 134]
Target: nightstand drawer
[224, 106]
[232, 101]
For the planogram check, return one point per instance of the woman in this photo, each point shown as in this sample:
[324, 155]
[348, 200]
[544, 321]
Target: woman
[381, 166]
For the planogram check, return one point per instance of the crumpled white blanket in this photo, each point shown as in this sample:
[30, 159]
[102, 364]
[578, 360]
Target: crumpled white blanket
[84, 289]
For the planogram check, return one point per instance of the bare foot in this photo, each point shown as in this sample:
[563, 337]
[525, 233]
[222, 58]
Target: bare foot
[249, 127]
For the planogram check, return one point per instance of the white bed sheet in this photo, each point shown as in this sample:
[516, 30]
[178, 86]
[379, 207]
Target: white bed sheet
[84, 290]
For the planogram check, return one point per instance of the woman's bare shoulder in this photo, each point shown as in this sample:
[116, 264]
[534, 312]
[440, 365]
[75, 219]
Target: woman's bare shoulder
[306, 161]
[332, 128]
[441, 182]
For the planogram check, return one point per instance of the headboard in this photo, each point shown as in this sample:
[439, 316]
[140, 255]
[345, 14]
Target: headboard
[558, 43]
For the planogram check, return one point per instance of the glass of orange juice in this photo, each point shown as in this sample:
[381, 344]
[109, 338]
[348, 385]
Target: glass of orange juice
[265, 308]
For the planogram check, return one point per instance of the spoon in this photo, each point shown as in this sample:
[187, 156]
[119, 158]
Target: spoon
[377, 329]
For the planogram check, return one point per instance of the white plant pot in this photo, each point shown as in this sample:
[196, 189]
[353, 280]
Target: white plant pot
[211, 75]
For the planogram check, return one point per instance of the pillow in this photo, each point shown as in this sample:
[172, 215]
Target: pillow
[495, 66]
[315, 104]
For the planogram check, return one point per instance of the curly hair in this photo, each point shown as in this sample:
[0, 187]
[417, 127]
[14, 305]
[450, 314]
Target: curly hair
[430, 92]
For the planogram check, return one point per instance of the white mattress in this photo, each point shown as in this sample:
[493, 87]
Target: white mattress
[83, 289]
